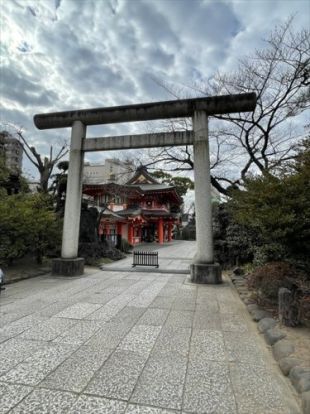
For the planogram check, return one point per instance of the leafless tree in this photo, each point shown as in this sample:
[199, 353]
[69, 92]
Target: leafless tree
[44, 164]
[258, 142]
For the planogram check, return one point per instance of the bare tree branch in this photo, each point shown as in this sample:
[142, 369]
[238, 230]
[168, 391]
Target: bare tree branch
[262, 140]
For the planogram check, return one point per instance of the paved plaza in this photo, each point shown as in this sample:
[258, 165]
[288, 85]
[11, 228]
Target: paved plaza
[134, 342]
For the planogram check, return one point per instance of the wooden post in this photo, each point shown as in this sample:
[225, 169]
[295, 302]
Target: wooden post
[170, 226]
[160, 231]
[130, 233]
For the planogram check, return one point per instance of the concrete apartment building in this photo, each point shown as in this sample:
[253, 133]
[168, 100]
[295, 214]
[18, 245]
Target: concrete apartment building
[12, 149]
[113, 170]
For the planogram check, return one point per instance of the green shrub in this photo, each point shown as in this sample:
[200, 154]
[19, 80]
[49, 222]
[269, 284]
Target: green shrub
[94, 251]
[233, 242]
[28, 224]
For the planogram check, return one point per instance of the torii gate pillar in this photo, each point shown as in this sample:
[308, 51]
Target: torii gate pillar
[69, 264]
[203, 269]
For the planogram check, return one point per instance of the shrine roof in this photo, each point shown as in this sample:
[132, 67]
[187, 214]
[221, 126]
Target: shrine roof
[153, 187]
[142, 176]
[130, 211]
[145, 212]
[145, 183]
[109, 213]
[158, 213]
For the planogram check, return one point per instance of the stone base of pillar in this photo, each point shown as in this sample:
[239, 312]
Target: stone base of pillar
[206, 273]
[68, 267]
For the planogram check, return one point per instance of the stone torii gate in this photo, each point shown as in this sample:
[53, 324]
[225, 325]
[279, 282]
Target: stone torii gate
[203, 268]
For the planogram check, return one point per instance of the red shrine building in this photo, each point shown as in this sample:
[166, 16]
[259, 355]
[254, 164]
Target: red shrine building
[142, 210]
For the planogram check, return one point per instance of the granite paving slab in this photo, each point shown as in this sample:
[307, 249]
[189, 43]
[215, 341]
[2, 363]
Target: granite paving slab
[188, 292]
[229, 307]
[208, 388]
[180, 318]
[142, 409]
[96, 405]
[110, 335]
[118, 287]
[146, 297]
[106, 312]
[173, 339]
[133, 276]
[162, 302]
[170, 289]
[184, 304]
[28, 306]
[233, 322]
[81, 332]
[118, 375]
[143, 300]
[21, 325]
[140, 339]
[49, 330]
[154, 316]
[3, 338]
[42, 401]
[14, 351]
[75, 373]
[258, 391]
[206, 293]
[162, 381]
[209, 345]
[99, 297]
[241, 347]
[207, 320]
[10, 395]
[110, 309]
[129, 315]
[36, 367]
[55, 307]
[207, 305]
[227, 302]
[8, 317]
[178, 279]
[78, 310]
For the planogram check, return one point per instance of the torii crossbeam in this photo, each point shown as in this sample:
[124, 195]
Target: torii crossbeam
[203, 268]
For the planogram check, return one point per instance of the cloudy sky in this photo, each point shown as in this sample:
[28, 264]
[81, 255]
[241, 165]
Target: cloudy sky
[72, 54]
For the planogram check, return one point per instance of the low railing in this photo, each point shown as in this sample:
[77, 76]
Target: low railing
[145, 259]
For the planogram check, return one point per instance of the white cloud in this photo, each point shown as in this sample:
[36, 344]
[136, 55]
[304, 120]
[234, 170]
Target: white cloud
[68, 54]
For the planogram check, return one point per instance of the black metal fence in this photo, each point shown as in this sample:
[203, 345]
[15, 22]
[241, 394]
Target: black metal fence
[145, 259]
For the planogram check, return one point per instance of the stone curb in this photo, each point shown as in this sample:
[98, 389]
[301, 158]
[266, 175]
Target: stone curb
[287, 363]
[300, 378]
[266, 324]
[282, 348]
[273, 335]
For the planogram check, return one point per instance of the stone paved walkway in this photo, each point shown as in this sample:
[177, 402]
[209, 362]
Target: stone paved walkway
[134, 343]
